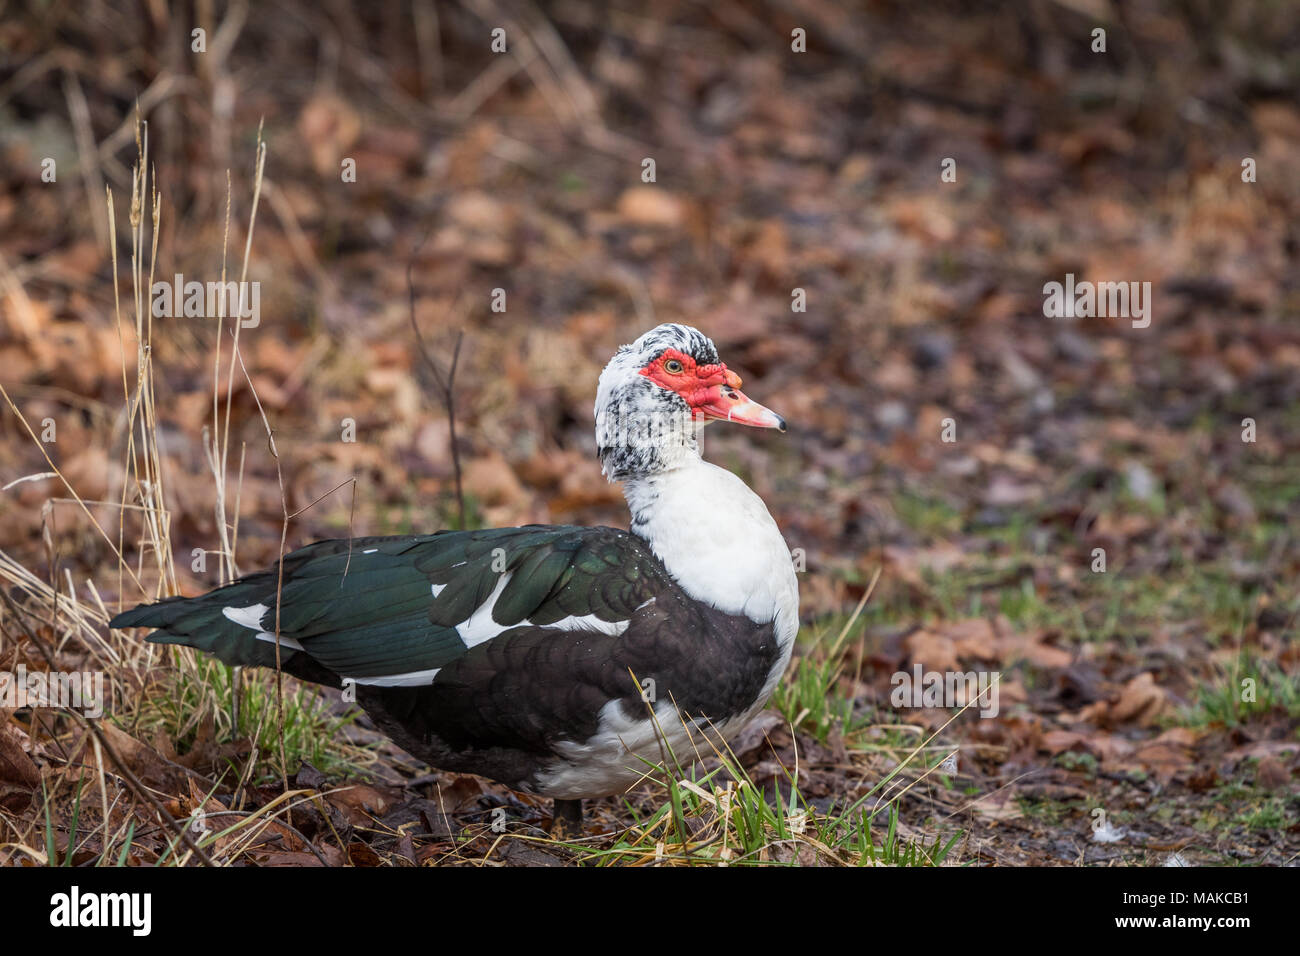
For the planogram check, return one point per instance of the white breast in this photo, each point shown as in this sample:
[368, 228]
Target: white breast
[716, 538]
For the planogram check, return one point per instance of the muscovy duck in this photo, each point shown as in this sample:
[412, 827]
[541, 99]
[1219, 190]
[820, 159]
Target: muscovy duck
[534, 655]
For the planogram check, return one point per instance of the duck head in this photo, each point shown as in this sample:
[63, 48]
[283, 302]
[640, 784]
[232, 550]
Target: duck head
[657, 393]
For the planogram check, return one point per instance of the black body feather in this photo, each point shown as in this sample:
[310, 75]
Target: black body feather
[365, 610]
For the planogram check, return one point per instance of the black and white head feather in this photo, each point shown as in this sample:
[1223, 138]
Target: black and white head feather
[641, 427]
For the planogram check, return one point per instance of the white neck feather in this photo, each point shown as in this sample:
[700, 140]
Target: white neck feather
[718, 541]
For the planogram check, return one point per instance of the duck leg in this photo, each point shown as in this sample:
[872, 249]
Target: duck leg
[566, 820]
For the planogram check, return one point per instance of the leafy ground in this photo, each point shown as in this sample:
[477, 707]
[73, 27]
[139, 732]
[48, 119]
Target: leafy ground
[1124, 732]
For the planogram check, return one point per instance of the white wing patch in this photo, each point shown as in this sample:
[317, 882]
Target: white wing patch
[249, 617]
[409, 679]
[482, 626]
[288, 642]
[588, 622]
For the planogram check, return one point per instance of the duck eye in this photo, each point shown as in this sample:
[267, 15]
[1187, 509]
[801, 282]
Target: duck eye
[674, 367]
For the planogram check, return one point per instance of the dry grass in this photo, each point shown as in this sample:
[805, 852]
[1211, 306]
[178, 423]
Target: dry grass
[67, 629]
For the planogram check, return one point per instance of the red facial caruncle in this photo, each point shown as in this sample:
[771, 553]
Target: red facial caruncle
[710, 391]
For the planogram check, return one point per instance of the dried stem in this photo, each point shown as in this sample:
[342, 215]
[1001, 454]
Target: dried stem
[444, 380]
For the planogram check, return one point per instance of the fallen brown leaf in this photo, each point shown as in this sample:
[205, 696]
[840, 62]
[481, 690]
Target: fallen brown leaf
[1140, 700]
[15, 764]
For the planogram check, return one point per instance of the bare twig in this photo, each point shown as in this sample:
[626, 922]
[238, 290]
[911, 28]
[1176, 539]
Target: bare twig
[445, 380]
[284, 535]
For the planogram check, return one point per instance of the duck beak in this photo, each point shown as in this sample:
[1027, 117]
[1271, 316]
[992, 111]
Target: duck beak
[728, 403]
